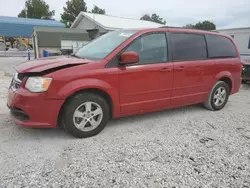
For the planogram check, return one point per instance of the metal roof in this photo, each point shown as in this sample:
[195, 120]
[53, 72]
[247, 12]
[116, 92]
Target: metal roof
[23, 27]
[113, 22]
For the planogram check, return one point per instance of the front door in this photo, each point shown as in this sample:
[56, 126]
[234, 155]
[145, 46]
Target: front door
[146, 85]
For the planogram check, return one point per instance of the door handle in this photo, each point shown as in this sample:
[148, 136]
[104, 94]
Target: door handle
[180, 68]
[165, 70]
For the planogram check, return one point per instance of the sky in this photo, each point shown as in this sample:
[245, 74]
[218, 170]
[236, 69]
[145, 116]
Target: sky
[224, 13]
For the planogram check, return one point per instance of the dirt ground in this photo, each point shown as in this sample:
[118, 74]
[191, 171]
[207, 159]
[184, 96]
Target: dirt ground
[184, 147]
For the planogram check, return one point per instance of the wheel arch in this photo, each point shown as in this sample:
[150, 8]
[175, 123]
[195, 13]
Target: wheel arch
[227, 78]
[228, 81]
[97, 91]
[97, 86]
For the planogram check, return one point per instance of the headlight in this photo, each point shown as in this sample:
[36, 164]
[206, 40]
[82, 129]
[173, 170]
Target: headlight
[38, 84]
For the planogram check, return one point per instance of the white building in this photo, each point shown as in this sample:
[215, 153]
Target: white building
[98, 24]
[241, 37]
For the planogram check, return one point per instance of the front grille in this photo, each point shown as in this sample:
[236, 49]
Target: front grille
[16, 81]
[246, 71]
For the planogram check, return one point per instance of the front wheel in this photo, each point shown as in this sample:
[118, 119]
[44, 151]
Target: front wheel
[218, 96]
[85, 115]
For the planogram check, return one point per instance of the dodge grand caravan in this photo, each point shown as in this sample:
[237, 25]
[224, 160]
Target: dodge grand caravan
[124, 73]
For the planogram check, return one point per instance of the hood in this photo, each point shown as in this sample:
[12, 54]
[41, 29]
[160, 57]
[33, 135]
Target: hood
[45, 64]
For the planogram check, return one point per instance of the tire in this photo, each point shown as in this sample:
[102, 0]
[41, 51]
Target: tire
[244, 81]
[211, 102]
[80, 102]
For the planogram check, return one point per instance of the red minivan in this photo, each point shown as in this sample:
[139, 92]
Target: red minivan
[122, 73]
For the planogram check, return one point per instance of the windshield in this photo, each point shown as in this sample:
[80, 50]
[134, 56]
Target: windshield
[104, 45]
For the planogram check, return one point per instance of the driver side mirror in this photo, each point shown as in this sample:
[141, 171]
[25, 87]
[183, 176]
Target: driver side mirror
[129, 58]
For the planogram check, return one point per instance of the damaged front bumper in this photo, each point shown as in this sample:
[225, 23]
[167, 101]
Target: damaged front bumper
[32, 109]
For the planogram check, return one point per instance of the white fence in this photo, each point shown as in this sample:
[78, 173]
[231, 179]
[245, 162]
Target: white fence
[15, 53]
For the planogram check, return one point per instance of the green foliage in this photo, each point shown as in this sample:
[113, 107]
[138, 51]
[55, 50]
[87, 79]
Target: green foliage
[22, 14]
[38, 9]
[189, 26]
[98, 10]
[154, 18]
[205, 25]
[72, 10]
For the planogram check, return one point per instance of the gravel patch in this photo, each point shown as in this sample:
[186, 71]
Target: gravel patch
[184, 147]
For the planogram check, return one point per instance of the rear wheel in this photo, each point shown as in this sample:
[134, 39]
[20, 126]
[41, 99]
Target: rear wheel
[218, 96]
[85, 115]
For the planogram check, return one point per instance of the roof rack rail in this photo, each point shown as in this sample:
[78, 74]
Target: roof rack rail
[170, 27]
[188, 28]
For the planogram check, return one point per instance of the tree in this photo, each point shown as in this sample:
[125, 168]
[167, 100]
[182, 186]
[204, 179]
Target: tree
[205, 25]
[98, 10]
[38, 9]
[72, 10]
[189, 26]
[153, 18]
[22, 14]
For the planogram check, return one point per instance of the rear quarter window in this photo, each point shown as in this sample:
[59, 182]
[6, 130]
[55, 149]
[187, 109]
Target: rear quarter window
[220, 47]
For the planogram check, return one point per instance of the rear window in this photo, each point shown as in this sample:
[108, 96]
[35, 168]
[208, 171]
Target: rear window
[220, 47]
[188, 46]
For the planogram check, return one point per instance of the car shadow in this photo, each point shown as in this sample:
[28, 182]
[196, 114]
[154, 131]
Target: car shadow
[59, 134]
[38, 133]
[157, 115]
